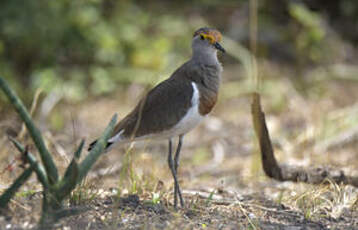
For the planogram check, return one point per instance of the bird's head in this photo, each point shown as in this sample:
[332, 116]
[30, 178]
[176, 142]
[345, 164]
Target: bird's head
[205, 38]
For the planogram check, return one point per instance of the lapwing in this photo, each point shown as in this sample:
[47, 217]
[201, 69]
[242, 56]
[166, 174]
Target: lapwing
[178, 104]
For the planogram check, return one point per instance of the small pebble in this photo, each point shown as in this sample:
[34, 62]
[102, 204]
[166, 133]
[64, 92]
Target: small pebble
[252, 216]
[124, 220]
[114, 191]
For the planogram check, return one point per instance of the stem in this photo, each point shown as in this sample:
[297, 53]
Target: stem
[50, 205]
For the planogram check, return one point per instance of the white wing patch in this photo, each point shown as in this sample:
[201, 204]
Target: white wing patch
[117, 137]
[192, 118]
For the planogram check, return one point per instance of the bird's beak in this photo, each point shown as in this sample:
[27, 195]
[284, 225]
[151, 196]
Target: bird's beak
[219, 47]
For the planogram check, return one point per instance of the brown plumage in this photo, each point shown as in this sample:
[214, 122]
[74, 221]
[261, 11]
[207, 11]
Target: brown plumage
[168, 102]
[160, 109]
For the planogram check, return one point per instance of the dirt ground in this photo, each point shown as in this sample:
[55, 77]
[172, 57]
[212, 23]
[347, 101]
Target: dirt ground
[220, 172]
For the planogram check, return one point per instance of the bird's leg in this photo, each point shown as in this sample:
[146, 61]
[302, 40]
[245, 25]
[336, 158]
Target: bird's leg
[177, 191]
[172, 169]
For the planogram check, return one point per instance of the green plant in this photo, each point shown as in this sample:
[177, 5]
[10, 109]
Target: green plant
[55, 189]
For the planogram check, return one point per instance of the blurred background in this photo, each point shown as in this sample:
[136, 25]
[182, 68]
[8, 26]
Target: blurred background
[91, 47]
[92, 58]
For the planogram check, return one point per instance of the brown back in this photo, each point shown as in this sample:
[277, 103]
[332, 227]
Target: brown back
[160, 109]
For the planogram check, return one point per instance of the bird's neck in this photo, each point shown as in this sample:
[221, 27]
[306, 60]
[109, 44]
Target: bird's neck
[208, 57]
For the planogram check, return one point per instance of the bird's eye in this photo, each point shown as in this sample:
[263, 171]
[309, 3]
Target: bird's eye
[202, 37]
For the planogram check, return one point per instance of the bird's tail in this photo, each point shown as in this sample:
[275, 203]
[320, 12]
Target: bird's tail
[91, 146]
[116, 138]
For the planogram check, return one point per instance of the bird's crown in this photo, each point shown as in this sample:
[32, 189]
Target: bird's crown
[210, 34]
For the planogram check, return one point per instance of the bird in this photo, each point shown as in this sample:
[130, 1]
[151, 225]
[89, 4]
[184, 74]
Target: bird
[178, 104]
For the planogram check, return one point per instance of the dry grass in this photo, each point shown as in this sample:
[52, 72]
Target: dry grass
[224, 186]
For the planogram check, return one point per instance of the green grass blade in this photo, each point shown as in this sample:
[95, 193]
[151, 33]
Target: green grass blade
[40, 171]
[33, 130]
[76, 156]
[93, 155]
[10, 192]
[69, 182]
[78, 152]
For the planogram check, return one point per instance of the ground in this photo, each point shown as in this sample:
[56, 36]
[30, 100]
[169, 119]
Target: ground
[220, 171]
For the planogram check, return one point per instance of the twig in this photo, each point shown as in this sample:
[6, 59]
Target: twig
[269, 162]
[28, 209]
